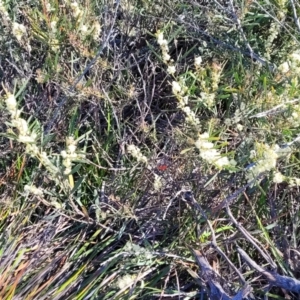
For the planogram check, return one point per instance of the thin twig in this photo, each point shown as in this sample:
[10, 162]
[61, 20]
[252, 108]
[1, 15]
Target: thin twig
[274, 110]
[287, 283]
[228, 200]
[251, 239]
[216, 290]
[295, 15]
[239, 24]
[214, 241]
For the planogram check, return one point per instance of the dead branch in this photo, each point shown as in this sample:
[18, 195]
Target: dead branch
[216, 290]
[287, 283]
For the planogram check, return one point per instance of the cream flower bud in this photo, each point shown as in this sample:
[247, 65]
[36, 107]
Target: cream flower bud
[22, 126]
[53, 25]
[11, 102]
[198, 61]
[221, 162]
[295, 57]
[67, 170]
[239, 127]
[18, 30]
[72, 148]
[84, 29]
[157, 185]
[278, 177]
[33, 190]
[96, 30]
[171, 70]
[160, 39]
[77, 12]
[166, 56]
[284, 68]
[63, 154]
[176, 88]
[26, 139]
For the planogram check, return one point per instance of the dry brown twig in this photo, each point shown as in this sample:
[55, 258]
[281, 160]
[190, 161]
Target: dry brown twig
[285, 282]
[216, 290]
[251, 239]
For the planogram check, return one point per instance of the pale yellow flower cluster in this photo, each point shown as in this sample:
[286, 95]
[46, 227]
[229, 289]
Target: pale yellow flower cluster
[216, 71]
[96, 29]
[28, 137]
[32, 189]
[282, 3]
[163, 46]
[53, 41]
[272, 35]
[24, 134]
[208, 94]
[171, 70]
[77, 11]
[198, 62]
[3, 10]
[137, 154]
[158, 183]
[266, 159]
[190, 116]
[210, 154]
[206, 148]
[18, 30]
[126, 281]
[49, 7]
[207, 98]
[69, 155]
[47, 163]
[178, 90]
[53, 26]
[278, 177]
[292, 181]
[284, 67]
[294, 119]
[292, 64]
[85, 27]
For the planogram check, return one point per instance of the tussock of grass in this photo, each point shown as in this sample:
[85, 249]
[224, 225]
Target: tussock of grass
[149, 149]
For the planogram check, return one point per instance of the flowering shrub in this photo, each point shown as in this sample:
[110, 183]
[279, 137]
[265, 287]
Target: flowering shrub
[187, 132]
[180, 91]
[26, 135]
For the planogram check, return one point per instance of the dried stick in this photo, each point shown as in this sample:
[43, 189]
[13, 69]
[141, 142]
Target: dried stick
[251, 239]
[295, 15]
[228, 200]
[216, 290]
[240, 27]
[214, 241]
[287, 283]
[275, 110]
